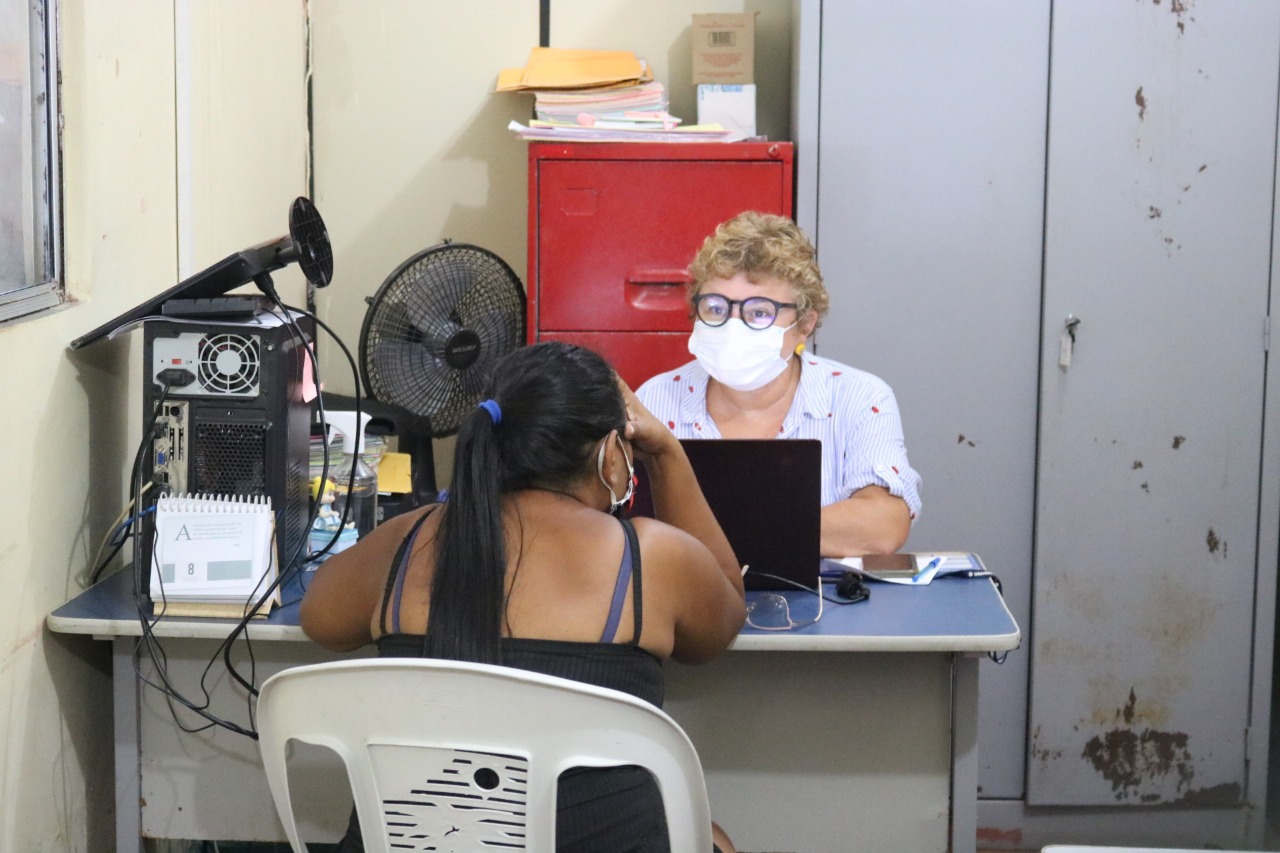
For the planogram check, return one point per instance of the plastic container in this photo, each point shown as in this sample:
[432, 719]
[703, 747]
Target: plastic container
[363, 495]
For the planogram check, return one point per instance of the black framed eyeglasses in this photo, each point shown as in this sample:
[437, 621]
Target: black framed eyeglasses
[757, 312]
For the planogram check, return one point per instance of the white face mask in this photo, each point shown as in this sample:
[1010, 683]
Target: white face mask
[743, 359]
[615, 502]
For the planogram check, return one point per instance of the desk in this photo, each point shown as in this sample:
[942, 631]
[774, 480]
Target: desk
[856, 733]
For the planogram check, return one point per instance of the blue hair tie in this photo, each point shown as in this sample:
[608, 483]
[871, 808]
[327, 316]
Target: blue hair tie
[495, 413]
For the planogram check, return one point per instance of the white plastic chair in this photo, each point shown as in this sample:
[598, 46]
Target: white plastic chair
[448, 756]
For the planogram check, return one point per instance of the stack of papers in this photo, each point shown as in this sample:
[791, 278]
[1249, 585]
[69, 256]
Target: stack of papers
[598, 96]
[557, 132]
[646, 102]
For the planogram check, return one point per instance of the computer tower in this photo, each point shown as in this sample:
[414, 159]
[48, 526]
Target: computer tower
[230, 415]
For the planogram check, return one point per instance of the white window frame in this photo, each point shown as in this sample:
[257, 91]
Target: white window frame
[42, 217]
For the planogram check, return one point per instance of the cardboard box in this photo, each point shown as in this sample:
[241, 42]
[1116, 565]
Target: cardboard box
[731, 107]
[724, 48]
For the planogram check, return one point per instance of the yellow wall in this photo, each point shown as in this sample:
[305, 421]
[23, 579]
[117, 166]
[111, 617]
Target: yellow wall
[411, 145]
[185, 140]
[70, 421]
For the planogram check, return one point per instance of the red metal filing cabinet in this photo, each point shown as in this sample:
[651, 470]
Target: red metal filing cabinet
[613, 227]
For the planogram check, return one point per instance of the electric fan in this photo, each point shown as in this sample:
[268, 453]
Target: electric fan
[432, 332]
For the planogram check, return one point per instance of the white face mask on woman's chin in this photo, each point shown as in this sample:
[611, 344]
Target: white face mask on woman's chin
[744, 359]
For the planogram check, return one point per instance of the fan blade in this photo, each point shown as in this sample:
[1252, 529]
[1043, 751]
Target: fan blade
[472, 381]
[402, 373]
[422, 302]
[489, 292]
[496, 329]
[449, 405]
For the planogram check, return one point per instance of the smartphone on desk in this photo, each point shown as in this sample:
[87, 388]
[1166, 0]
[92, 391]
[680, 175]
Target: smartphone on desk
[890, 565]
[880, 566]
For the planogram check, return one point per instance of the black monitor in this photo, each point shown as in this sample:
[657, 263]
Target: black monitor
[307, 243]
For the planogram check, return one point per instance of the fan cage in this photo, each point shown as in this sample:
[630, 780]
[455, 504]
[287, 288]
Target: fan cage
[229, 363]
[435, 329]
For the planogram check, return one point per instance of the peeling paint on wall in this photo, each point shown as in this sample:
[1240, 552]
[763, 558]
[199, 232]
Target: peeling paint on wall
[1141, 101]
[1131, 760]
[1182, 11]
[1217, 796]
[1040, 753]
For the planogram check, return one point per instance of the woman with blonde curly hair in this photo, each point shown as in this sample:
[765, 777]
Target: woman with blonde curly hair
[756, 297]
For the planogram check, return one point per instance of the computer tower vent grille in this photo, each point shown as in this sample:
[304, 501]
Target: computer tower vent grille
[229, 459]
[229, 364]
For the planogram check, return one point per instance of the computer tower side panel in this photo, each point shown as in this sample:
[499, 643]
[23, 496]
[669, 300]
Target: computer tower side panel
[234, 420]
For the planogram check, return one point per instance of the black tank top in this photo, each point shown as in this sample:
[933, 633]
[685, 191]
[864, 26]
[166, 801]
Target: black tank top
[618, 809]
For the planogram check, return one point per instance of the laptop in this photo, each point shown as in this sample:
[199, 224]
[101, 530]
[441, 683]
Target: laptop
[767, 496]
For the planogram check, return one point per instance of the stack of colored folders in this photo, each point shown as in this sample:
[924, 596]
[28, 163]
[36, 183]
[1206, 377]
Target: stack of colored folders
[629, 107]
[597, 96]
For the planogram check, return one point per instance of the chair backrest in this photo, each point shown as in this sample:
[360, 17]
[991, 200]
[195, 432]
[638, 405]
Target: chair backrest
[449, 756]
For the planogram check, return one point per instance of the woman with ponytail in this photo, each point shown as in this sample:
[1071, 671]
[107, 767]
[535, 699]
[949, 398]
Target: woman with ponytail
[526, 566]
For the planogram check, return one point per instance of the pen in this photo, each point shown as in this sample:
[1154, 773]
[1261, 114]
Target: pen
[926, 574]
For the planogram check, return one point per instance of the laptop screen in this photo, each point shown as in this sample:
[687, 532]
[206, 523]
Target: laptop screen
[767, 496]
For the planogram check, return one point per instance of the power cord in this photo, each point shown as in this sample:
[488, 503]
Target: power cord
[809, 589]
[118, 533]
[286, 314]
[148, 646]
[293, 562]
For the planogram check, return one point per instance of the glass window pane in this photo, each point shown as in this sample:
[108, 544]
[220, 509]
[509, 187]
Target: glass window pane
[28, 162]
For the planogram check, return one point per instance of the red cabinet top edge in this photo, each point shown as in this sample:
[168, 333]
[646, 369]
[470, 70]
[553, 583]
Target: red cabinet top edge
[781, 151]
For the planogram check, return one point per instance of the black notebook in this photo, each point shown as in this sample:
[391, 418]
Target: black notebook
[767, 496]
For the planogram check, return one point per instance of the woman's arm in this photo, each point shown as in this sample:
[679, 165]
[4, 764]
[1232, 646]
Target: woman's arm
[870, 521]
[710, 607]
[677, 497]
[343, 597]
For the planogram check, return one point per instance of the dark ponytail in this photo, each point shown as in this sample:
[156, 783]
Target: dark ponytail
[555, 402]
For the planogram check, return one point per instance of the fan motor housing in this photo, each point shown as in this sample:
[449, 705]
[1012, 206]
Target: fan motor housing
[462, 349]
[235, 420]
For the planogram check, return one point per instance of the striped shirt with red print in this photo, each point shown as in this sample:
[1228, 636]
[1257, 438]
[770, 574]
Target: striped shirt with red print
[851, 411]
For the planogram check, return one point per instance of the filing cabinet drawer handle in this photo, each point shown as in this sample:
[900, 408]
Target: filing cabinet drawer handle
[669, 277]
[658, 290]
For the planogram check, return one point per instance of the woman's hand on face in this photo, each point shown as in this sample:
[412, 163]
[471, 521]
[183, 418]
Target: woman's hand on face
[647, 434]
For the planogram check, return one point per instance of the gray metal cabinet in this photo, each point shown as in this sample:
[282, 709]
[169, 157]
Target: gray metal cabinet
[976, 175]
[923, 188]
[1162, 150]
